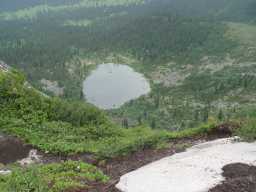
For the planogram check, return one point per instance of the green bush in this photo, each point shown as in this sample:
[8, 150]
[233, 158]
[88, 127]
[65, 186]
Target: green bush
[59, 126]
[248, 129]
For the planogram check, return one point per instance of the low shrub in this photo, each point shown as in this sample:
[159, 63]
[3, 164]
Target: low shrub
[52, 177]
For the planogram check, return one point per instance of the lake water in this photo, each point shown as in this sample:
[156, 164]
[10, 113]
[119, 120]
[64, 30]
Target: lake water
[111, 85]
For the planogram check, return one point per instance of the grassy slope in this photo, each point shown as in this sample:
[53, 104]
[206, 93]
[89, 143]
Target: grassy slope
[186, 40]
[215, 86]
[52, 177]
[141, 36]
[64, 127]
[61, 127]
[244, 33]
[71, 127]
[209, 85]
[32, 12]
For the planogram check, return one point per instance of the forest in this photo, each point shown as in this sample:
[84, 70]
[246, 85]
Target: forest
[62, 41]
[62, 128]
[199, 57]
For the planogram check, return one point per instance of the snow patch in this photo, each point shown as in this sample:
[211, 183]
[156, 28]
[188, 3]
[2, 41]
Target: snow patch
[196, 170]
[32, 158]
[5, 172]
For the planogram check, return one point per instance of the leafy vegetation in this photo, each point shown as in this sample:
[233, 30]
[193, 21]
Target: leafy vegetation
[34, 9]
[174, 43]
[62, 127]
[199, 56]
[192, 51]
[50, 49]
[248, 130]
[52, 177]
[57, 126]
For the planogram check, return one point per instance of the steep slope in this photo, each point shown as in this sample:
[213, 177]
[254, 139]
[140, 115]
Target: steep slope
[58, 126]
[69, 130]
[194, 53]
[62, 128]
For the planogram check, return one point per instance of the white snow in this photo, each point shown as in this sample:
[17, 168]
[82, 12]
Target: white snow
[33, 157]
[5, 172]
[196, 170]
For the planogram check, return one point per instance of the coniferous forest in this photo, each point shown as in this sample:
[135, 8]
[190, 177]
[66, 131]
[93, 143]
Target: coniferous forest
[199, 57]
[175, 44]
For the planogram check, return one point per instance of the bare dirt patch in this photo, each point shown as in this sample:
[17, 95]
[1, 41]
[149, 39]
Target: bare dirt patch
[119, 166]
[12, 149]
[53, 87]
[239, 178]
[116, 167]
[170, 77]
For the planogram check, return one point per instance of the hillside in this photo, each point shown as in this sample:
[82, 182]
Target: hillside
[69, 135]
[59, 126]
[66, 129]
[177, 45]
[198, 56]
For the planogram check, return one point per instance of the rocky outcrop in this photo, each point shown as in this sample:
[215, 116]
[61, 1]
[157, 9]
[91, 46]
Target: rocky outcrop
[4, 66]
[33, 157]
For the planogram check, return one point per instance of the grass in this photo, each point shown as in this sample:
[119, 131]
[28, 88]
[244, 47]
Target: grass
[54, 177]
[248, 130]
[242, 32]
[70, 175]
[61, 138]
[79, 23]
[119, 35]
[31, 13]
[63, 127]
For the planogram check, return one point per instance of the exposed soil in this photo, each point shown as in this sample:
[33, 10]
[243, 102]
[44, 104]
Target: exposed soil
[239, 178]
[117, 167]
[12, 149]
[223, 130]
